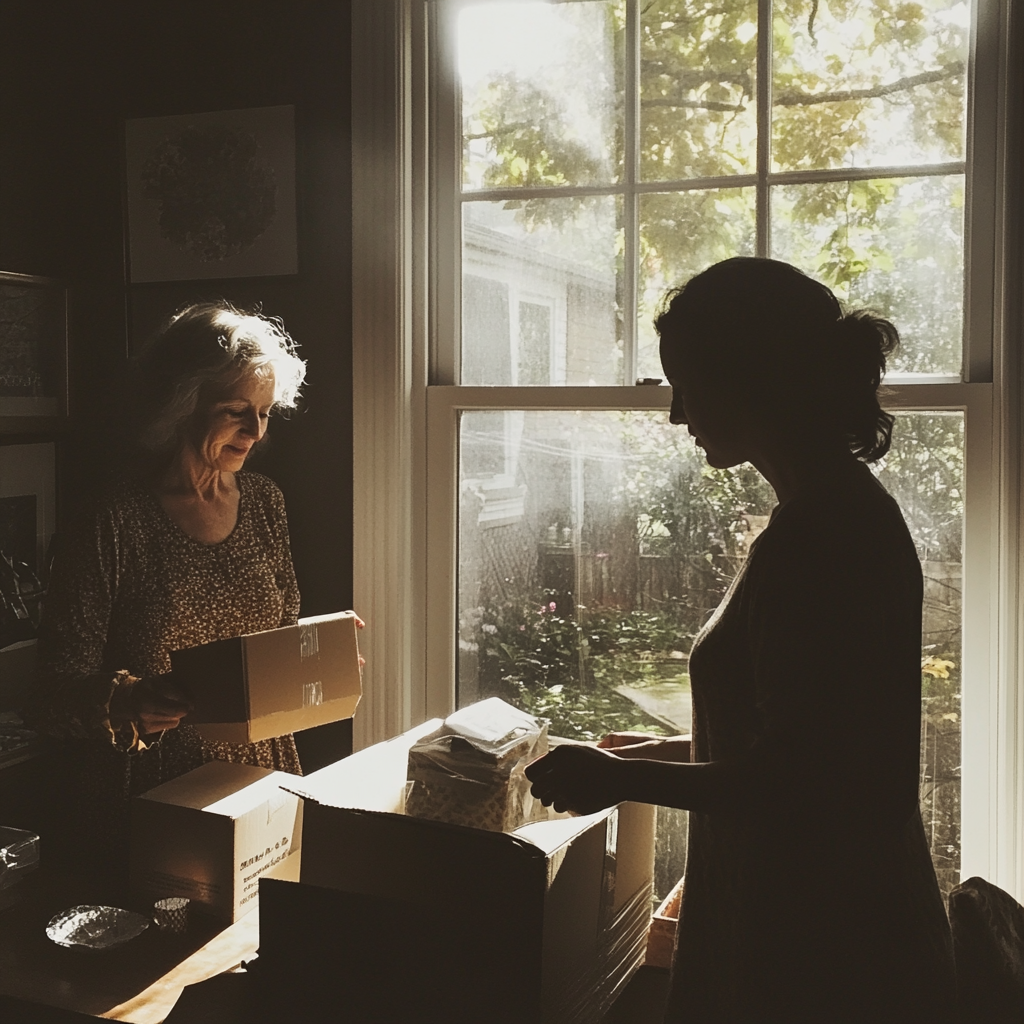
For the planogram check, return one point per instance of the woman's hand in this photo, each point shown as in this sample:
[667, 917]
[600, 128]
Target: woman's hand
[153, 704]
[643, 744]
[578, 778]
[361, 625]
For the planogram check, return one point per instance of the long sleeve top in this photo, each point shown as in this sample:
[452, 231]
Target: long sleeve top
[128, 587]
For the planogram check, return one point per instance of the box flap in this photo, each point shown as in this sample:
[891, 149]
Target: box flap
[213, 675]
[266, 790]
[372, 779]
[209, 784]
[550, 836]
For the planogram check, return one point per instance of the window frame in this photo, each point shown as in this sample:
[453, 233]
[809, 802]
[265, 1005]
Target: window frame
[406, 406]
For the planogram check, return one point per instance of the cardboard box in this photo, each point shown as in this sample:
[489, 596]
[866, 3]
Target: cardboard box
[661, 939]
[212, 834]
[262, 685]
[553, 917]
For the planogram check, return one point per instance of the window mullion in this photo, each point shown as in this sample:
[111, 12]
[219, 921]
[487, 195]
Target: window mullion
[630, 201]
[764, 124]
[445, 115]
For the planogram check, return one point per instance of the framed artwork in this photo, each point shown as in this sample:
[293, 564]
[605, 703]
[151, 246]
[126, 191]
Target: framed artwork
[211, 195]
[33, 347]
[27, 503]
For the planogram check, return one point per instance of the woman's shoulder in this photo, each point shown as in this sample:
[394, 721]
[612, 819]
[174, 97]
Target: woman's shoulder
[855, 515]
[116, 500]
[262, 489]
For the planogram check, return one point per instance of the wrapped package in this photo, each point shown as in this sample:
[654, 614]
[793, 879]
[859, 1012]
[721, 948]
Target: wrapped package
[470, 771]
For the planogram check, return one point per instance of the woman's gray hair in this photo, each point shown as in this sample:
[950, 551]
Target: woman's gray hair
[200, 351]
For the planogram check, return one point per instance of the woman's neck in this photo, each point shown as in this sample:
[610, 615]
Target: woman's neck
[190, 476]
[792, 468]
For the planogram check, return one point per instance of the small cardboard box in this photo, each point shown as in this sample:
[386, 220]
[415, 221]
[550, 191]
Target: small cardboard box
[555, 914]
[212, 834]
[661, 939]
[262, 685]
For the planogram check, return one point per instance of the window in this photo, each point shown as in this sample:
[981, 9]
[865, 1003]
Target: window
[583, 157]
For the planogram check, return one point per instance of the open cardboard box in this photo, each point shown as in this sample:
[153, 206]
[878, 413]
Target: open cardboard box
[211, 834]
[546, 923]
[261, 685]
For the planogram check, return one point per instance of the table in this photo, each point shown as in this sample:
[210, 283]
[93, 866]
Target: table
[138, 982]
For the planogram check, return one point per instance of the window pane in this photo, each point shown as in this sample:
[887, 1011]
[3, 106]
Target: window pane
[540, 291]
[588, 561]
[681, 234]
[893, 245]
[698, 113]
[593, 546]
[924, 472]
[868, 84]
[541, 93]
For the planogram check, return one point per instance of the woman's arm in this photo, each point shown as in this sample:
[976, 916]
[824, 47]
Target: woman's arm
[285, 571]
[644, 745]
[76, 696]
[585, 779]
[833, 636]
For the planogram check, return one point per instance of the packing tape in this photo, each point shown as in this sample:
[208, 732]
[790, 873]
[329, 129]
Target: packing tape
[309, 640]
[312, 694]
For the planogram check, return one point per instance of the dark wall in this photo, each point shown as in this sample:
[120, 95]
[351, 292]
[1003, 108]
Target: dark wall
[70, 73]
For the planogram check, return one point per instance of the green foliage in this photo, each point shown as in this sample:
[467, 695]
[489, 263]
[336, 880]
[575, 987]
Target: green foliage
[924, 472]
[551, 665]
[871, 83]
[940, 762]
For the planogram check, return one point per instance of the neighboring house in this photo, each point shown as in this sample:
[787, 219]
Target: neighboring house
[530, 318]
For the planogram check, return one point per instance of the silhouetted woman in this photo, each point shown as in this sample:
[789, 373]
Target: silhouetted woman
[810, 896]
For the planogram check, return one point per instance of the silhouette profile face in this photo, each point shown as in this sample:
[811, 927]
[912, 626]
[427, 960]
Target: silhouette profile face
[710, 405]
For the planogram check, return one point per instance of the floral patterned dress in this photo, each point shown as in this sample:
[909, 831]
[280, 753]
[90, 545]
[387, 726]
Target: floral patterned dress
[128, 587]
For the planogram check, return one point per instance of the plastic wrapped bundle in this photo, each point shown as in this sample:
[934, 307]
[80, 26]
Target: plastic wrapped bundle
[470, 771]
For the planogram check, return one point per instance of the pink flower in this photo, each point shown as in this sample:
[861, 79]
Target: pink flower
[522, 629]
[551, 607]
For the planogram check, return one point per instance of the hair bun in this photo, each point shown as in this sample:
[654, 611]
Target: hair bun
[864, 341]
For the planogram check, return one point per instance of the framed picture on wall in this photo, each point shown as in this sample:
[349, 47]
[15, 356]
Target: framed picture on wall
[211, 195]
[33, 347]
[27, 522]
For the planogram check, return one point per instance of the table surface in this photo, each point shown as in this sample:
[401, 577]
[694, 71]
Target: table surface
[138, 982]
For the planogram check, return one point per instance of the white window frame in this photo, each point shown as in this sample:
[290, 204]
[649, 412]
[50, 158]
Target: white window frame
[404, 516]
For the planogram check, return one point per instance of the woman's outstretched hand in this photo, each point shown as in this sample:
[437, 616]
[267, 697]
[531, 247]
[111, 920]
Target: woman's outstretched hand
[578, 778]
[643, 744]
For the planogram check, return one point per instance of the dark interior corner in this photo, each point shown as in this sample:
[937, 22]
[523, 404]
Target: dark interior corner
[71, 75]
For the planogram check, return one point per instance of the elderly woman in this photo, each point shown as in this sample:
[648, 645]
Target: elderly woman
[188, 548]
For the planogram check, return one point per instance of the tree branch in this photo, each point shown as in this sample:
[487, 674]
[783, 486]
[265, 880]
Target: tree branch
[505, 129]
[694, 104]
[796, 98]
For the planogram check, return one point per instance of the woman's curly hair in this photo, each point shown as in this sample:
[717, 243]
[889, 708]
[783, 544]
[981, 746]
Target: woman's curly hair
[197, 353]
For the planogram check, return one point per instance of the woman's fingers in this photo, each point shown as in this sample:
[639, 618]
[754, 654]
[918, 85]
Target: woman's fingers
[576, 777]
